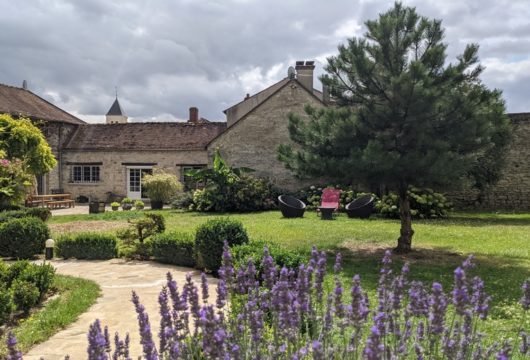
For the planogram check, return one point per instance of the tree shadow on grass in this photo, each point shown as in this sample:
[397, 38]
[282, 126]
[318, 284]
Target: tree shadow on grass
[502, 276]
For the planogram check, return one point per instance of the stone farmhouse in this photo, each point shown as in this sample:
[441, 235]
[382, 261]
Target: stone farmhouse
[95, 160]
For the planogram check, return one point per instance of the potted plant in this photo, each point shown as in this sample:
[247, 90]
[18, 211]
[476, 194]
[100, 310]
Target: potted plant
[161, 187]
[115, 206]
[139, 204]
[126, 204]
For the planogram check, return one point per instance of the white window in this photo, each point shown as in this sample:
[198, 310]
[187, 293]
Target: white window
[85, 174]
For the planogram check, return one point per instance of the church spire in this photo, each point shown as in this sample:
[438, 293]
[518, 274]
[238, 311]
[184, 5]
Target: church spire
[115, 115]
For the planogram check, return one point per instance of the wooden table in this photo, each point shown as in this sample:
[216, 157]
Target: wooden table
[51, 200]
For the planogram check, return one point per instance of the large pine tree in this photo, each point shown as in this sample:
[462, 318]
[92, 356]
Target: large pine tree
[404, 115]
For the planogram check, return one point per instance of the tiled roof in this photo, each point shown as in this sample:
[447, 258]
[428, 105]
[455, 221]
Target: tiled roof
[20, 102]
[519, 117]
[145, 136]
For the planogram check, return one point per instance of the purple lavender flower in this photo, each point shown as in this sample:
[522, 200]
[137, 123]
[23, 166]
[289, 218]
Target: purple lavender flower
[418, 300]
[524, 347]
[460, 291]
[319, 276]
[437, 309]
[338, 267]
[204, 288]
[222, 293]
[166, 322]
[479, 299]
[148, 345]
[525, 300]
[96, 342]
[107, 339]
[318, 350]
[374, 349]
[227, 266]
[13, 353]
[359, 307]
[268, 269]
[337, 296]
[504, 353]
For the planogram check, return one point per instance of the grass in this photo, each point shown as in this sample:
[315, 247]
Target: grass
[500, 242]
[75, 296]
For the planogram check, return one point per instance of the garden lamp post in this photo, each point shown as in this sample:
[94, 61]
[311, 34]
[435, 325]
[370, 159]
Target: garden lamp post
[49, 249]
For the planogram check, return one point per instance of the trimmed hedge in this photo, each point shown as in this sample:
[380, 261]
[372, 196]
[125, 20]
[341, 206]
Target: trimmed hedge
[254, 251]
[92, 246]
[210, 238]
[42, 213]
[23, 238]
[174, 248]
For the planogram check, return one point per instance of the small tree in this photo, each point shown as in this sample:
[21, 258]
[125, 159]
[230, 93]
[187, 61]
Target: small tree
[161, 186]
[21, 139]
[405, 116]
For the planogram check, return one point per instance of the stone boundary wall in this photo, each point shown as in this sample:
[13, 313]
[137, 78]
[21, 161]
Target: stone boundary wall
[512, 192]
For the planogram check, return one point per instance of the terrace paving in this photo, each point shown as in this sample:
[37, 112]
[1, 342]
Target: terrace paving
[117, 278]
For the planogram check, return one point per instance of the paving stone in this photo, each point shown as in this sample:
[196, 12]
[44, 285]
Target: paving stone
[117, 278]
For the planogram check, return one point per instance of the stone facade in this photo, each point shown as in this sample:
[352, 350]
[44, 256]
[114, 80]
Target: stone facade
[253, 140]
[57, 134]
[114, 166]
[512, 192]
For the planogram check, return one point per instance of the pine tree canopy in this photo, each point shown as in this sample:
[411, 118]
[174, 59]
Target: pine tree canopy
[404, 114]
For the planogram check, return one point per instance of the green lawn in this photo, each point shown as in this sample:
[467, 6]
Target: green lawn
[500, 242]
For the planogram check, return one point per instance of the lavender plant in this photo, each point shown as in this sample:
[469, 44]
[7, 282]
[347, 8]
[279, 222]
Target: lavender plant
[286, 314]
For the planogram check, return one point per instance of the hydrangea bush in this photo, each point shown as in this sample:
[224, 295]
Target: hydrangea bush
[287, 314]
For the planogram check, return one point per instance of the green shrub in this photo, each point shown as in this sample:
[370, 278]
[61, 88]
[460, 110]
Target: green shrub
[161, 186]
[39, 275]
[25, 295]
[23, 238]
[87, 246]
[10, 207]
[15, 270]
[254, 251]
[424, 204]
[42, 213]
[174, 248]
[183, 201]
[210, 238]
[6, 305]
[139, 204]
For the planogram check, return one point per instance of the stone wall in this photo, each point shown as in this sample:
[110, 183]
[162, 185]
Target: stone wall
[57, 135]
[512, 192]
[114, 164]
[254, 139]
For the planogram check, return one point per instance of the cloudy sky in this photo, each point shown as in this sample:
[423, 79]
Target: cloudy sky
[167, 55]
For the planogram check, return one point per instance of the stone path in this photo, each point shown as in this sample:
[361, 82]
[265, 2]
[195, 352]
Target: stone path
[117, 278]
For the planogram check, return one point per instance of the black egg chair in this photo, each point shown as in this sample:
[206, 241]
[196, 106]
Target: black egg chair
[361, 207]
[290, 206]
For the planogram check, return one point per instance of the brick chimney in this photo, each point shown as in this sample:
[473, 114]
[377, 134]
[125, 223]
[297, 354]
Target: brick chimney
[304, 73]
[194, 115]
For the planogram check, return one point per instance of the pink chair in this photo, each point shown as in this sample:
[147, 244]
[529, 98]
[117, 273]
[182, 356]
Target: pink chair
[330, 203]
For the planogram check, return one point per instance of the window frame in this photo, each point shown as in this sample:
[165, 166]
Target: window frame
[85, 174]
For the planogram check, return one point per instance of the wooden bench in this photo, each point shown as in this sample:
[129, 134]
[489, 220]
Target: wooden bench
[53, 204]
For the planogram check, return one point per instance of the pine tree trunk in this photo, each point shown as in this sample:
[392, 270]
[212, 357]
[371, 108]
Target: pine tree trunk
[405, 239]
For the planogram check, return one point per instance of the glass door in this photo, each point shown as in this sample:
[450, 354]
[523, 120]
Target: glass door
[135, 189]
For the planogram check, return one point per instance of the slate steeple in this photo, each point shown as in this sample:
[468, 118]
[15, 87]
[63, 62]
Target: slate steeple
[115, 115]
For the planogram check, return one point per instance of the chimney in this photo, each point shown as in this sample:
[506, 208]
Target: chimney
[194, 115]
[247, 97]
[304, 73]
[25, 85]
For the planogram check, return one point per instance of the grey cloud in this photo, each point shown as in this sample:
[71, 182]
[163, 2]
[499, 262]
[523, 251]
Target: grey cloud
[168, 55]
